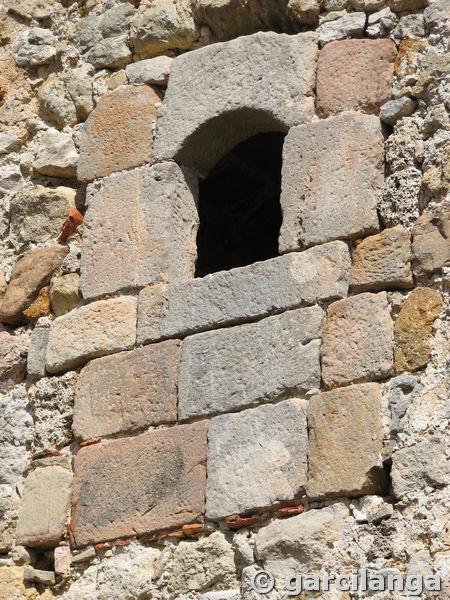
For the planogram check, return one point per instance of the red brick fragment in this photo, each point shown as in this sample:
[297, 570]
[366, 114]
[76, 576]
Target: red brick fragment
[74, 219]
[44, 453]
[290, 511]
[122, 543]
[238, 522]
[102, 546]
[192, 529]
[90, 442]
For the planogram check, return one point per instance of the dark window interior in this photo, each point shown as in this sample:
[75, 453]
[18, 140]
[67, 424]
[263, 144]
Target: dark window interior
[239, 206]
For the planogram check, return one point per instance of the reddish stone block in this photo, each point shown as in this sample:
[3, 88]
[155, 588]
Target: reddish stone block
[134, 486]
[354, 75]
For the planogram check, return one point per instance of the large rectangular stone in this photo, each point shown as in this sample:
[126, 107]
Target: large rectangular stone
[244, 293]
[140, 228]
[358, 340]
[332, 174]
[128, 391]
[256, 458]
[143, 484]
[94, 330]
[345, 443]
[222, 371]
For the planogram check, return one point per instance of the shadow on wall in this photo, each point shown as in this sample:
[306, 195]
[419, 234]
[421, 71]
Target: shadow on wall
[239, 206]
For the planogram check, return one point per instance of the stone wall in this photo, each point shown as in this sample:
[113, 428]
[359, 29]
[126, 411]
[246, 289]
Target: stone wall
[164, 436]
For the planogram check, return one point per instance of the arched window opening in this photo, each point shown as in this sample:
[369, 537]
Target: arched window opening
[239, 206]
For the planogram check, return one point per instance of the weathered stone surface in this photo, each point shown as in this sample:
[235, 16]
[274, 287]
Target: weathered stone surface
[425, 464]
[437, 22]
[247, 99]
[51, 401]
[399, 199]
[256, 458]
[64, 293]
[403, 391]
[140, 228]
[357, 340]
[118, 133]
[29, 9]
[55, 154]
[15, 426]
[300, 544]
[39, 307]
[196, 566]
[44, 507]
[381, 23]
[413, 327]
[3, 286]
[163, 26]
[166, 490]
[332, 194]
[382, 261]
[8, 518]
[29, 275]
[226, 297]
[128, 391]
[34, 47]
[393, 110]
[153, 71]
[403, 5]
[348, 26]
[304, 11]
[37, 351]
[38, 213]
[431, 241]
[354, 75]
[39, 576]
[11, 582]
[9, 142]
[62, 560]
[345, 443]
[224, 370]
[100, 328]
[13, 356]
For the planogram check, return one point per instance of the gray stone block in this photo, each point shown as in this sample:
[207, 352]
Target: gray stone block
[256, 458]
[37, 352]
[222, 371]
[244, 293]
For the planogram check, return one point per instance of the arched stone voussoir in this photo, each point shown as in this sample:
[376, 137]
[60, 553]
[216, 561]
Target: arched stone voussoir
[224, 93]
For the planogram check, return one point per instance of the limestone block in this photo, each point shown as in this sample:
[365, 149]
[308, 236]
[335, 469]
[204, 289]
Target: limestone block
[393, 110]
[127, 391]
[245, 365]
[198, 565]
[357, 341]
[55, 154]
[140, 227]
[44, 507]
[419, 466]
[227, 297]
[34, 47]
[413, 328]
[345, 443]
[29, 275]
[382, 261]
[56, 105]
[431, 241]
[437, 21]
[13, 356]
[166, 489]
[248, 97]
[300, 544]
[332, 174]
[404, 390]
[162, 26]
[39, 576]
[153, 71]
[29, 9]
[38, 213]
[100, 328]
[347, 26]
[256, 458]
[64, 293]
[118, 133]
[16, 424]
[354, 75]
[9, 142]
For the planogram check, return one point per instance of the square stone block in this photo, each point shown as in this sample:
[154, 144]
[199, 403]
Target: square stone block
[332, 174]
[256, 458]
[127, 391]
[138, 485]
[358, 340]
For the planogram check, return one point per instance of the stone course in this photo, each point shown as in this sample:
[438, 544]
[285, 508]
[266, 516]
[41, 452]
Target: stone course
[91, 331]
[357, 340]
[127, 391]
[329, 195]
[225, 370]
[166, 490]
[256, 458]
[140, 228]
[227, 297]
[345, 443]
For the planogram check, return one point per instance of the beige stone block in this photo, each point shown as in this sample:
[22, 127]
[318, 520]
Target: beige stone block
[431, 241]
[382, 262]
[94, 330]
[354, 75]
[413, 328]
[118, 133]
[357, 340]
[127, 391]
[332, 174]
[345, 443]
[143, 484]
[44, 507]
[64, 293]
